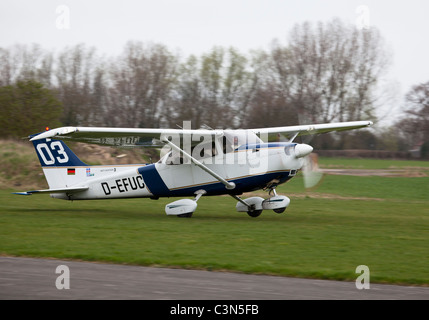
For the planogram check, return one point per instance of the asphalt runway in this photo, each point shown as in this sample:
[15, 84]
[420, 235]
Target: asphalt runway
[36, 279]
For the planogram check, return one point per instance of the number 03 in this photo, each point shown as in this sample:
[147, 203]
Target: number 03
[47, 156]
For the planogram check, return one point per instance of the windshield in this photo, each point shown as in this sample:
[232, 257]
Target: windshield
[231, 140]
[236, 138]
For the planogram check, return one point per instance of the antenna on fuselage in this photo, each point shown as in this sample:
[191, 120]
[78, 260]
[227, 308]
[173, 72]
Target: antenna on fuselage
[204, 126]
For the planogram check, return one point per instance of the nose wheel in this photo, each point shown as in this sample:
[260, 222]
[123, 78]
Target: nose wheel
[253, 212]
[280, 210]
[272, 192]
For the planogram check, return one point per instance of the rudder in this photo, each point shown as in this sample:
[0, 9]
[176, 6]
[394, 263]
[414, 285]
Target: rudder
[59, 163]
[55, 153]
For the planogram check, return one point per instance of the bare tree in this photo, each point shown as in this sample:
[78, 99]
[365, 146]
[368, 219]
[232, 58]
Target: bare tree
[215, 90]
[187, 97]
[415, 123]
[23, 62]
[328, 72]
[74, 81]
[140, 82]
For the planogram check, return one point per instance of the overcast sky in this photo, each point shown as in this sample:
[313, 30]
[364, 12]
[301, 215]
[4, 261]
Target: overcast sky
[195, 26]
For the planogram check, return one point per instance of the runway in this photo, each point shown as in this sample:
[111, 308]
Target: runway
[36, 279]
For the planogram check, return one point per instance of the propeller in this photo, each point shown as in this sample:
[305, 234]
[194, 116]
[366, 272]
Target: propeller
[310, 169]
[311, 173]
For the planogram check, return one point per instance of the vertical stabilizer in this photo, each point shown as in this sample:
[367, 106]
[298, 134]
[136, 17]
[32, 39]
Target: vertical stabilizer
[59, 163]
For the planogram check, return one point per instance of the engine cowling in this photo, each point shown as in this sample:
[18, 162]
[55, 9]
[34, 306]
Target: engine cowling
[302, 150]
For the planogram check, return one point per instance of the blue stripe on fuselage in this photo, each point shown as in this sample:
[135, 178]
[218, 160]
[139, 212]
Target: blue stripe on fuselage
[153, 180]
[264, 145]
[242, 185]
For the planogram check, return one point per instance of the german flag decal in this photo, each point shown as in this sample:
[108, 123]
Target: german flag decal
[71, 172]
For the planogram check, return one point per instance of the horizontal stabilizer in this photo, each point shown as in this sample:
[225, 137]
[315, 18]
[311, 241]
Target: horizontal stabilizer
[60, 190]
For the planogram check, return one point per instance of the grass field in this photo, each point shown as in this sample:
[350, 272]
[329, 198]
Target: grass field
[381, 222]
[356, 163]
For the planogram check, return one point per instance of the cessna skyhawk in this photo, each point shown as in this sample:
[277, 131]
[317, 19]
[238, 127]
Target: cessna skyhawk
[194, 163]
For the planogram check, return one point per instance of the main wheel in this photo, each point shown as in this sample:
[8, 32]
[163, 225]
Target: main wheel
[254, 213]
[185, 215]
[279, 210]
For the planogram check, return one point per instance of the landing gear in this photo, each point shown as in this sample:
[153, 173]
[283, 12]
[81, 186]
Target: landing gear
[281, 210]
[184, 208]
[185, 215]
[276, 203]
[254, 213]
[254, 205]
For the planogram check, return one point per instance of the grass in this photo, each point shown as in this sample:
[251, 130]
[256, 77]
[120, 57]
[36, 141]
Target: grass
[380, 222]
[355, 163]
[386, 188]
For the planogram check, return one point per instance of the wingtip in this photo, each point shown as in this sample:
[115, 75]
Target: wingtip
[43, 135]
[54, 132]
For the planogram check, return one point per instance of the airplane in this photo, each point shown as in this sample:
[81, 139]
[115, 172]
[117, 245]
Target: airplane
[193, 163]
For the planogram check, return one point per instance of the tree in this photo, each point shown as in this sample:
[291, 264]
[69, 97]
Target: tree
[140, 85]
[415, 123]
[187, 98]
[27, 107]
[22, 62]
[328, 72]
[214, 90]
[74, 82]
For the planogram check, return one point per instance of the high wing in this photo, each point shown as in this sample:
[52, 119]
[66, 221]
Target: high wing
[140, 137]
[294, 131]
[126, 137]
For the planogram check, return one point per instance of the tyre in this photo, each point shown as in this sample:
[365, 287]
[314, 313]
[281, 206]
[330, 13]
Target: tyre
[185, 215]
[279, 210]
[254, 213]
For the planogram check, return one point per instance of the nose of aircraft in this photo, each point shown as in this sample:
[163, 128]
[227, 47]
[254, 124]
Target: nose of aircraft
[301, 150]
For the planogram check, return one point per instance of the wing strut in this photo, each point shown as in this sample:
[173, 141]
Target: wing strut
[228, 185]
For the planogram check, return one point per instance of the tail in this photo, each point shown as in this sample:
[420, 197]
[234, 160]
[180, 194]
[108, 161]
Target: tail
[61, 167]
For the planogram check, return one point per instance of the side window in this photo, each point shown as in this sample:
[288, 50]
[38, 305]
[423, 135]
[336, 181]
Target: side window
[227, 147]
[174, 158]
[203, 151]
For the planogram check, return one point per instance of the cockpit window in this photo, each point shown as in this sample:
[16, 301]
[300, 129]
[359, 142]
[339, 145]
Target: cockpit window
[204, 150]
[230, 141]
[175, 157]
[236, 138]
[199, 152]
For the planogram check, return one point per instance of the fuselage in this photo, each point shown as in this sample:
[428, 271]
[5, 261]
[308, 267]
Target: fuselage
[250, 167]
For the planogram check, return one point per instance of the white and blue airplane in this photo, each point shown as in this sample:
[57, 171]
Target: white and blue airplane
[194, 163]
